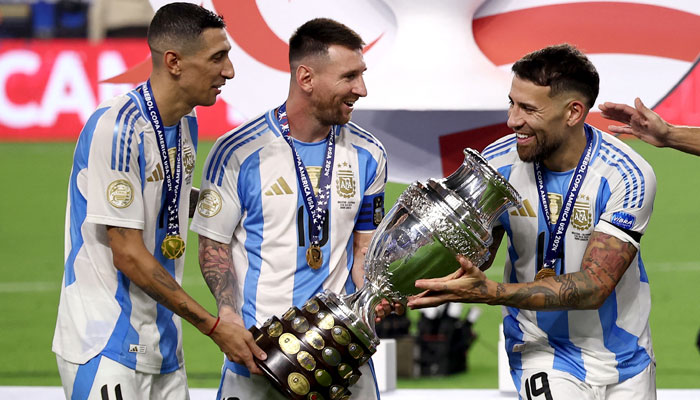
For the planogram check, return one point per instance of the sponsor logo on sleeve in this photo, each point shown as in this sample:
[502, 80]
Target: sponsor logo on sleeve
[378, 210]
[120, 193]
[209, 203]
[623, 220]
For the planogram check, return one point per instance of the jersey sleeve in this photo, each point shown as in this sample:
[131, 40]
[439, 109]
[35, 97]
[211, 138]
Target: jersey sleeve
[372, 209]
[114, 189]
[630, 203]
[219, 206]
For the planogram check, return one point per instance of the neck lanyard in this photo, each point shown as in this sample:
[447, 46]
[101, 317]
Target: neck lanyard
[556, 234]
[316, 207]
[173, 246]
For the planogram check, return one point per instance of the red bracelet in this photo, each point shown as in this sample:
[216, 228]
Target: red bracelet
[214, 327]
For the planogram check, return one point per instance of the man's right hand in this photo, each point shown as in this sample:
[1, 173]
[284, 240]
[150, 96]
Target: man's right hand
[236, 341]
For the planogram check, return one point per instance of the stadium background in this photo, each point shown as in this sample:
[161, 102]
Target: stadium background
[440, 85]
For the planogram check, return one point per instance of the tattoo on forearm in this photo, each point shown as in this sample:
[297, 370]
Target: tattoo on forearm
[569, 292]
[155, 295]
[189, 315]
[165, 279]
[531, 297]
[605, 261]
[217, 269]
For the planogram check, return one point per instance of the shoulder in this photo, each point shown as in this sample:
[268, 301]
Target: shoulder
[247, 137]
[617, 159]
[234, 147]
[121, 115]
[363, 138]
[502, 152]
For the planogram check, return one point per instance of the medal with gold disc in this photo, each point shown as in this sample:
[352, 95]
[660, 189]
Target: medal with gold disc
[557, 232]
[315, 204]
[544, 273]
[173, 245]
[314, 256]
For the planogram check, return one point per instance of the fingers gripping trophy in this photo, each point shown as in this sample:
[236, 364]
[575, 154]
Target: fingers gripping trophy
[314, 352]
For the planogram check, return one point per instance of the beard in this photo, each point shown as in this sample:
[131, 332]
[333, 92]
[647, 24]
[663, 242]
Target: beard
[330, 113]
[538, 152]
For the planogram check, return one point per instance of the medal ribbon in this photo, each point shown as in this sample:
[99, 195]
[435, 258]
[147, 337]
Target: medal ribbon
[316, 207]
[556, 233]
[172, 183]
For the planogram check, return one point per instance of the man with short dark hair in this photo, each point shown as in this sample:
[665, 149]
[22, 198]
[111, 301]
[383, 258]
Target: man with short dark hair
[118, 333]
[576, 293]
[289, 198]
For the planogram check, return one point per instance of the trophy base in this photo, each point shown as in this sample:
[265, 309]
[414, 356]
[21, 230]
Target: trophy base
[315, 352]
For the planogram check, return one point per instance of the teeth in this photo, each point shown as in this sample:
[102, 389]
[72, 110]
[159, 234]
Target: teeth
[521, 136]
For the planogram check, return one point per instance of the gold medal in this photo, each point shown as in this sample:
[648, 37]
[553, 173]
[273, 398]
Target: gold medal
[173, 247]
[545, 273]
[314, 256]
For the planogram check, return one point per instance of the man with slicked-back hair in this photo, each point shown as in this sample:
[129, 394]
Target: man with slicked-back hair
[118, 333]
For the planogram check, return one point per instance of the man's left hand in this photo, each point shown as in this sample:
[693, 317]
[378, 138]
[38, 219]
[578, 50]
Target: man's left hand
[468, 285]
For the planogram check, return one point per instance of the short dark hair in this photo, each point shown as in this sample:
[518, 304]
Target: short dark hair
[179, 25]
[316, 35]
[563, 68]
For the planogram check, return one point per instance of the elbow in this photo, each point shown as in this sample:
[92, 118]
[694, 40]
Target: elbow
[596, 299]
[124, 259]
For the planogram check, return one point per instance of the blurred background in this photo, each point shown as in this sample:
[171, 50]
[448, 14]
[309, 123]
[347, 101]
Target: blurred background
[438, 77]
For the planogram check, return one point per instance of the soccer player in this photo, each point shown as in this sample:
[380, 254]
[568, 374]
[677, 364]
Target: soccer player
[290, 199]
[647, 125]
[576, 293]
[118, 333]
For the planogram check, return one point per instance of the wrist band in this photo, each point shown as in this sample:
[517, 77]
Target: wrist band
[214, 327]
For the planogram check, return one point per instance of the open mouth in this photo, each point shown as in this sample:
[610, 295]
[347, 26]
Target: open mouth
[523, 138]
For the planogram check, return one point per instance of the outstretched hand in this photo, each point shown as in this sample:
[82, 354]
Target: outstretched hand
[236, 341]
[468, 284]
[639, 121]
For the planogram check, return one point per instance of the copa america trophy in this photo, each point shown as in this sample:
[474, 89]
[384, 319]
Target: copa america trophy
[315, 352]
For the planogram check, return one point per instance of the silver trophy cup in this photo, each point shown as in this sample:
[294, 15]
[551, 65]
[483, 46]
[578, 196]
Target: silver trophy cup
[315, 352]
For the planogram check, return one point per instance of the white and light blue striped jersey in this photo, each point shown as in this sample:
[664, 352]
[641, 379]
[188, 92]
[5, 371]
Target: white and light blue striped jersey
[601, 346]
[117, 180]
[250, 198]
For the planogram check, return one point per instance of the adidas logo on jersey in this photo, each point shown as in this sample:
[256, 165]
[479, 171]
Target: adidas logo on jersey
[525, 210]
[156, 175]
[280, 187]
[137, 348]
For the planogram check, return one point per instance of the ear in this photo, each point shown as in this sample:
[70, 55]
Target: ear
[576, 112]
[304, 77]
[171, 61]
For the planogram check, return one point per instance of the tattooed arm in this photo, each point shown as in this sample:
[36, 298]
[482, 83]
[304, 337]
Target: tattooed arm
[605, 261]
[133, 259]
[217, 268]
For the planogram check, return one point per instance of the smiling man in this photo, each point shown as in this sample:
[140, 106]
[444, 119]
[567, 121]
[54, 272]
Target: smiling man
[576, 293]
[118, 333]
[288, 200]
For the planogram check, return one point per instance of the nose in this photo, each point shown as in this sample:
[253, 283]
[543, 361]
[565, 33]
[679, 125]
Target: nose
[228, 72]
[515, 120]
[360, 89]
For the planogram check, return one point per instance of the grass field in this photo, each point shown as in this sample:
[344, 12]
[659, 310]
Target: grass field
[31, 245]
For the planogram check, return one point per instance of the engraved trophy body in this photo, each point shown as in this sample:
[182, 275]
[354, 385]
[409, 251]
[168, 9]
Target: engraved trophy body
[315, 352]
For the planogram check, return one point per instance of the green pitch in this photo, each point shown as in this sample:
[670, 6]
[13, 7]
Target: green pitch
[32, 216]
